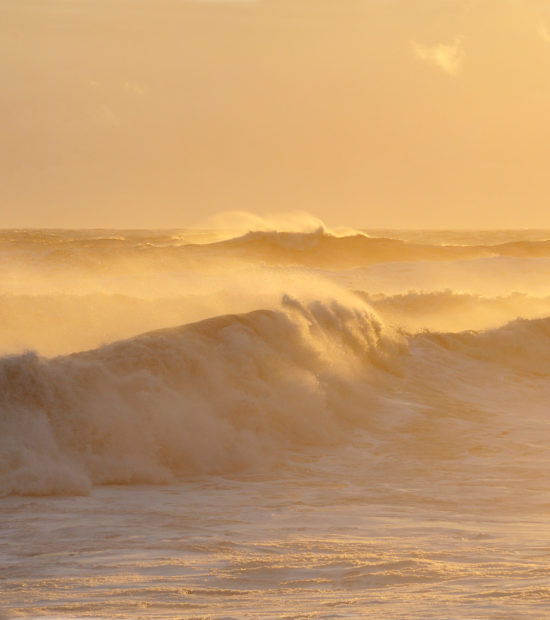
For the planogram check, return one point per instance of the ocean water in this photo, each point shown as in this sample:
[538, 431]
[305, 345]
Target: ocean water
[300, 423]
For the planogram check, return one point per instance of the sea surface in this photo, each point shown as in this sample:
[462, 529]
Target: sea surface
[291, 423]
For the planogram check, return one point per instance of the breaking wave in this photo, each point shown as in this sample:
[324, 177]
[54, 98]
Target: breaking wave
[215, 396]
[232, 393]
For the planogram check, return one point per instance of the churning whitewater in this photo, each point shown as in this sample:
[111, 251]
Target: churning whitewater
[217, 423]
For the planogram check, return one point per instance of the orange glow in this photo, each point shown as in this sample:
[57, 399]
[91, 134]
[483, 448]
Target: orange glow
[372, 113]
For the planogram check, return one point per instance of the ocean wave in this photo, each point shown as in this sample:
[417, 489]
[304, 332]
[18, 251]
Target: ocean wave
[91, 320]
[522, 345]
[314, 248]
[243, 392]
[325, 250]
[451, 311]
[210, 397]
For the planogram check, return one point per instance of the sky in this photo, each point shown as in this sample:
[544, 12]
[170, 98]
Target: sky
[366, 113]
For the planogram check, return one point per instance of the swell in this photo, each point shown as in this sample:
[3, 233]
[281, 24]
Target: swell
[522, 345]
[210, 397]
[325, 250]
[446, 310]
[312, 249]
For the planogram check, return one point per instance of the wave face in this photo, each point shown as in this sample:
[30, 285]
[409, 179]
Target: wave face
[259, 348]
[209, 397]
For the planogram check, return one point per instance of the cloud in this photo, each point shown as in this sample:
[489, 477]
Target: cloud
[543, 32]
[134, 87]
[446, 57]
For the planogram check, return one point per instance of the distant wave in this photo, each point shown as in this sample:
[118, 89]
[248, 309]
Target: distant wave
[450, 311]
[325, 250]
[318, 248]
[522, 345]
[214, 396]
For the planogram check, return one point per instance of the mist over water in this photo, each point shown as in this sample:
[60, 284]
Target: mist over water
[266, 418]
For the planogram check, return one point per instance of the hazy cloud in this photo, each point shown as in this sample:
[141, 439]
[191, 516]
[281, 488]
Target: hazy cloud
[134, 87]
[447, 57]
[543, 32]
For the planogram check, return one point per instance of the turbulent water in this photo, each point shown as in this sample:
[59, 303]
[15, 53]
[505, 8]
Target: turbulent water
[293, 423]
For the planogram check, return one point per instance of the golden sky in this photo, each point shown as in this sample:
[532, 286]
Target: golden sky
[369, 113]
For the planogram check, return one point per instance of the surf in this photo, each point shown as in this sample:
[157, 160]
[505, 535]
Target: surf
[215, 396]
